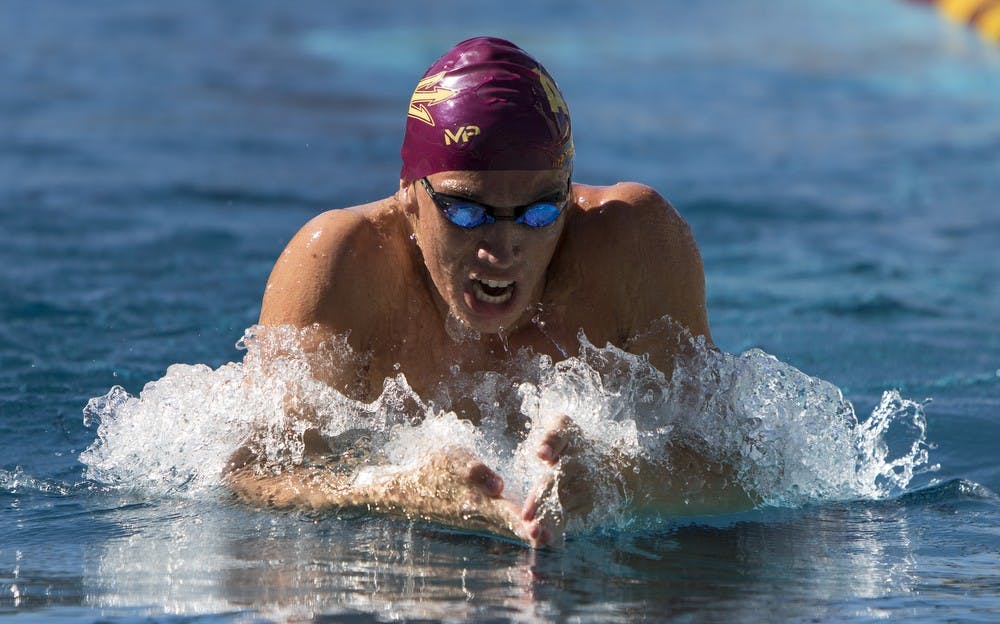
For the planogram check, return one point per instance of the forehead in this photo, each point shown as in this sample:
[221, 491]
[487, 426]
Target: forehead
[500, 186]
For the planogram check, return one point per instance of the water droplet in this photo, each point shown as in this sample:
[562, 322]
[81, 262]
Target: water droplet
[457, 330]
[502, 334]
[540, 324]
[244, 342]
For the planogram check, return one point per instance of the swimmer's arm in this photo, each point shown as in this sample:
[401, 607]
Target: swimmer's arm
[690, 484]
[315, 279]
[323, 281]
[666, 291]
[450, 488]
[685, 483]
[670, 309]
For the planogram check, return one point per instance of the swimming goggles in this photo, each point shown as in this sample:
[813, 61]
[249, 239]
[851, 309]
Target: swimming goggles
[469, 214]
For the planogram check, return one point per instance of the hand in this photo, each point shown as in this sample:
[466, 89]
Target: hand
[453, 487]
[568, 491]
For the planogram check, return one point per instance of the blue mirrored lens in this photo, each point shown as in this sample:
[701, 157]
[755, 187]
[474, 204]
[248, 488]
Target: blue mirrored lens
[540, 215]
[467, 215]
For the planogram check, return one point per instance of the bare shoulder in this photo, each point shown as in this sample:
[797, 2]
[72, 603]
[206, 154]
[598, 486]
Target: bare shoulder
[326, 272]
[648, 249]
[631, 210]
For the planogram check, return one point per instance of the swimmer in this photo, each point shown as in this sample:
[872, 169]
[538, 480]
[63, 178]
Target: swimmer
[487, 233]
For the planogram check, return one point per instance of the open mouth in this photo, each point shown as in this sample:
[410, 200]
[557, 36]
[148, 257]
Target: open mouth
[493, 291]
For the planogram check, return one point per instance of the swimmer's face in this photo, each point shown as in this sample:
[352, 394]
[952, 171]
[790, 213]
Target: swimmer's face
[491, 277]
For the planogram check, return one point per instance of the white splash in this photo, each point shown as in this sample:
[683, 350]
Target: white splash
[790, 438]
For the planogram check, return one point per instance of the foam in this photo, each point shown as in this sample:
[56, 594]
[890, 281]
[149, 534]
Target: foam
[790, 439]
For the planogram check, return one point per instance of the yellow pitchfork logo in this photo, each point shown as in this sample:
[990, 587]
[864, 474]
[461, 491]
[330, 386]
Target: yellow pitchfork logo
[428, 93]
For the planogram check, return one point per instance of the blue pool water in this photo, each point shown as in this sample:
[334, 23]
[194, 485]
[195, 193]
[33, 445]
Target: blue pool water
[839, 164]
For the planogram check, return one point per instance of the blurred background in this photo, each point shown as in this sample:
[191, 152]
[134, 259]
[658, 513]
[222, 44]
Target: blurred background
[839, 163]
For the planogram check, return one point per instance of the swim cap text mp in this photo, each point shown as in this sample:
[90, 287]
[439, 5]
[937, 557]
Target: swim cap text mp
[486, 105]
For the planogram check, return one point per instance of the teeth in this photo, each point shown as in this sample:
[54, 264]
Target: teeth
[482, 295]
[497, 283]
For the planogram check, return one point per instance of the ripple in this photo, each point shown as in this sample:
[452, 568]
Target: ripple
[875, 306]
[776, 209]
[955, 490]
[17, 482]
[235, 195]
[959, 380]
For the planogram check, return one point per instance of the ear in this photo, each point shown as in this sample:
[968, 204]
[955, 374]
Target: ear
[407, 200]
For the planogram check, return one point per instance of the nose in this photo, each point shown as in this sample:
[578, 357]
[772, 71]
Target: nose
[500, 245]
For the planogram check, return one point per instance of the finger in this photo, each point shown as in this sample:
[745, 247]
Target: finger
[540, 535]
[536, 497]
[547, 454]
[531, 506]
[480, 474]
[555, 443]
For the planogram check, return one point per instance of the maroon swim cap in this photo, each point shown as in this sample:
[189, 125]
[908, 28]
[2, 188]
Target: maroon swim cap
[486, 105]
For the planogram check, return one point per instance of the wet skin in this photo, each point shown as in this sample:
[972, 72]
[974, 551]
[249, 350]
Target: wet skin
[513, 257]
[391, 273]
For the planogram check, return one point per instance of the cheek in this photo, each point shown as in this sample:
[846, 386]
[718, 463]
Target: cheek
[443, 254]
[540, 250]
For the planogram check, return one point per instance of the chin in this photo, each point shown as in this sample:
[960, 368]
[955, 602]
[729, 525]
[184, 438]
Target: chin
[482, 325]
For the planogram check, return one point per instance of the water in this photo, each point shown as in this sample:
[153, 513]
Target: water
[838, 165]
